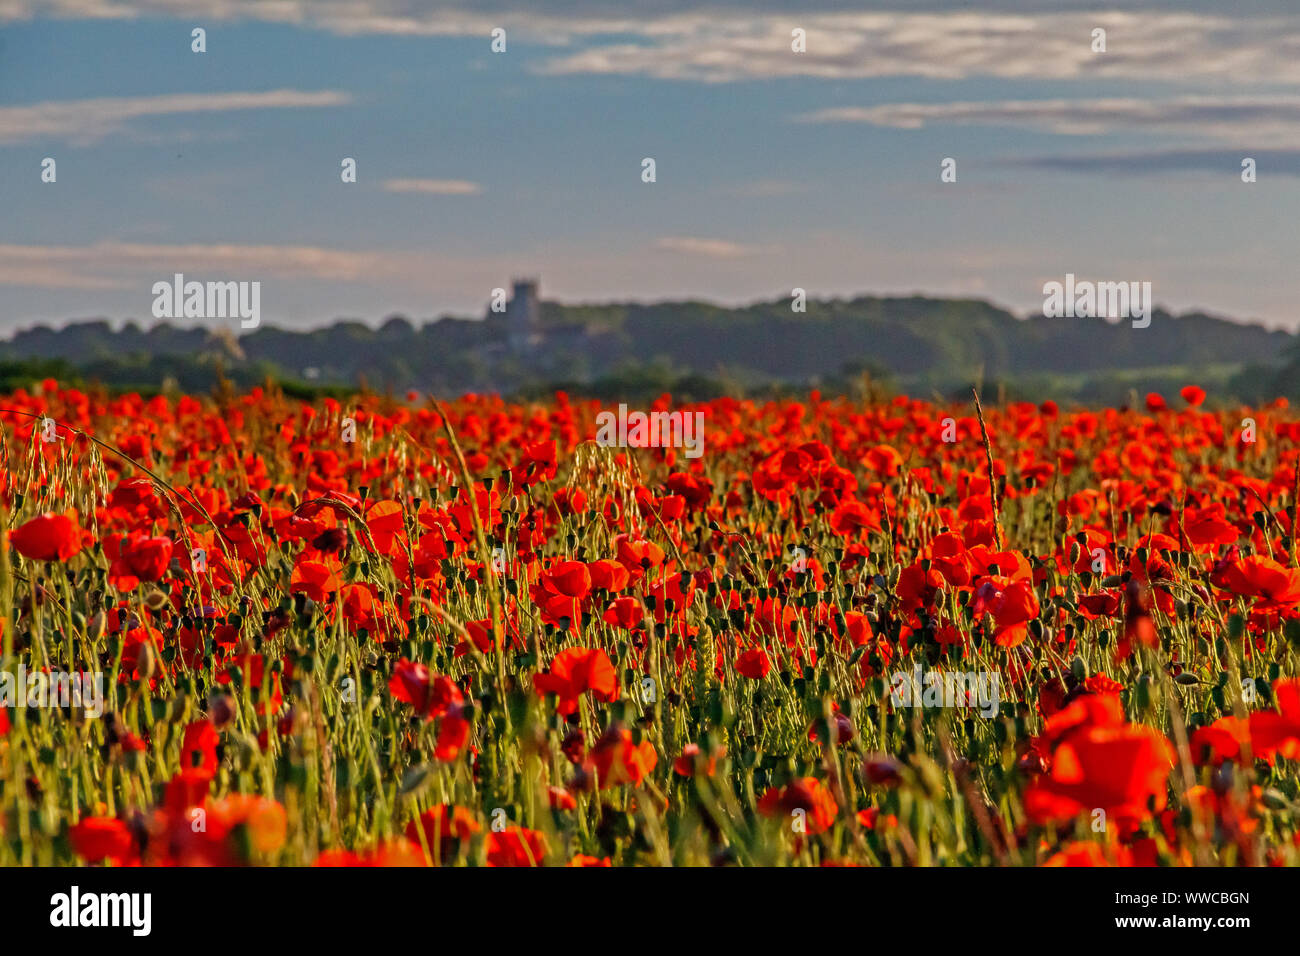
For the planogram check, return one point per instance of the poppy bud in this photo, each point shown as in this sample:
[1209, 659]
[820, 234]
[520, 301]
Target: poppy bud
[221, 709]
[146, 661]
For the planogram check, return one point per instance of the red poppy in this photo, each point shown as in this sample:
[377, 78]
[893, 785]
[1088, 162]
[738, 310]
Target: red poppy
[694, 760]
[609, 575]
[1099, 762]
[1277, 733]
[47, 537]
[617, 759]
[575, 671]
[199, 748]
[516, 846]
[1273, 585]
[807, 796]
[95, 839]
[446, 829]
[753, 664]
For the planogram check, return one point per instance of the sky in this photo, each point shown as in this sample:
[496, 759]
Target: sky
[773, 169]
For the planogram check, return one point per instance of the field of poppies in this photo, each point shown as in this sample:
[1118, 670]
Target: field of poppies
[398, 632]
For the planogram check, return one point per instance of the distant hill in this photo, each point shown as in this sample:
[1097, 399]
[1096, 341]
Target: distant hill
[917, 344]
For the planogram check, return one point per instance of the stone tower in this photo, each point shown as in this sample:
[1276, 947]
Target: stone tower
[523, 314]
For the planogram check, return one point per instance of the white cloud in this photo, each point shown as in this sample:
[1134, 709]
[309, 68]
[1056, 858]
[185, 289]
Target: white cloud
[1238, 119]
[742, 41]
[433, 187]
[113, 264]
[90, 120]
[1174, 47]
[768, 188]
[709, 248]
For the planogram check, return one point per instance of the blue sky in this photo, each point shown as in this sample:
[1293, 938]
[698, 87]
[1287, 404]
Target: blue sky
[774, 169]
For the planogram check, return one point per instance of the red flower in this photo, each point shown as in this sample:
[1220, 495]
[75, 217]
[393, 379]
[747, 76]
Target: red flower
[102, 838]
[1012, 605]
[453, 734]
[1273, 584]
[1277, 733]
[806, 794]
[410, 683]
[574, 672]
[199, 748]
[609, 575]
[625, 612]
[1192, 395]
[47, 537]
[137, 558]
[317, 579]
[446, 829]
[560, 799]
[1221, 740]
[432, 697]
[693, 760]
[1099, 762]
[753, 664]
[638, 556]
[570, 578]
[616, 759]
[516, 846]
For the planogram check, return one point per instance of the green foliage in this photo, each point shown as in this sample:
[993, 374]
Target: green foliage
[919, 345]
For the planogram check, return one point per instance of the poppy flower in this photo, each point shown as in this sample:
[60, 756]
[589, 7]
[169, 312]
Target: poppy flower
[1220, 741]
[807, 794]
[574, 672]
[263, 820]
[1011, 604]
[516, 846]
[446, 829]
[616, 759]
[199, 748]
[1087, 854]
[638, 556]
[317, 579]
[753, 664]
[693, 760]
[1273, 585]
[560, 799]
[570, 578]
[609, 575]
[626, 612]
[47, 537]
[137, 558]
[858, 627]
[95, 839]
[1277, 733]
[1100, 762]
[871, 819]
